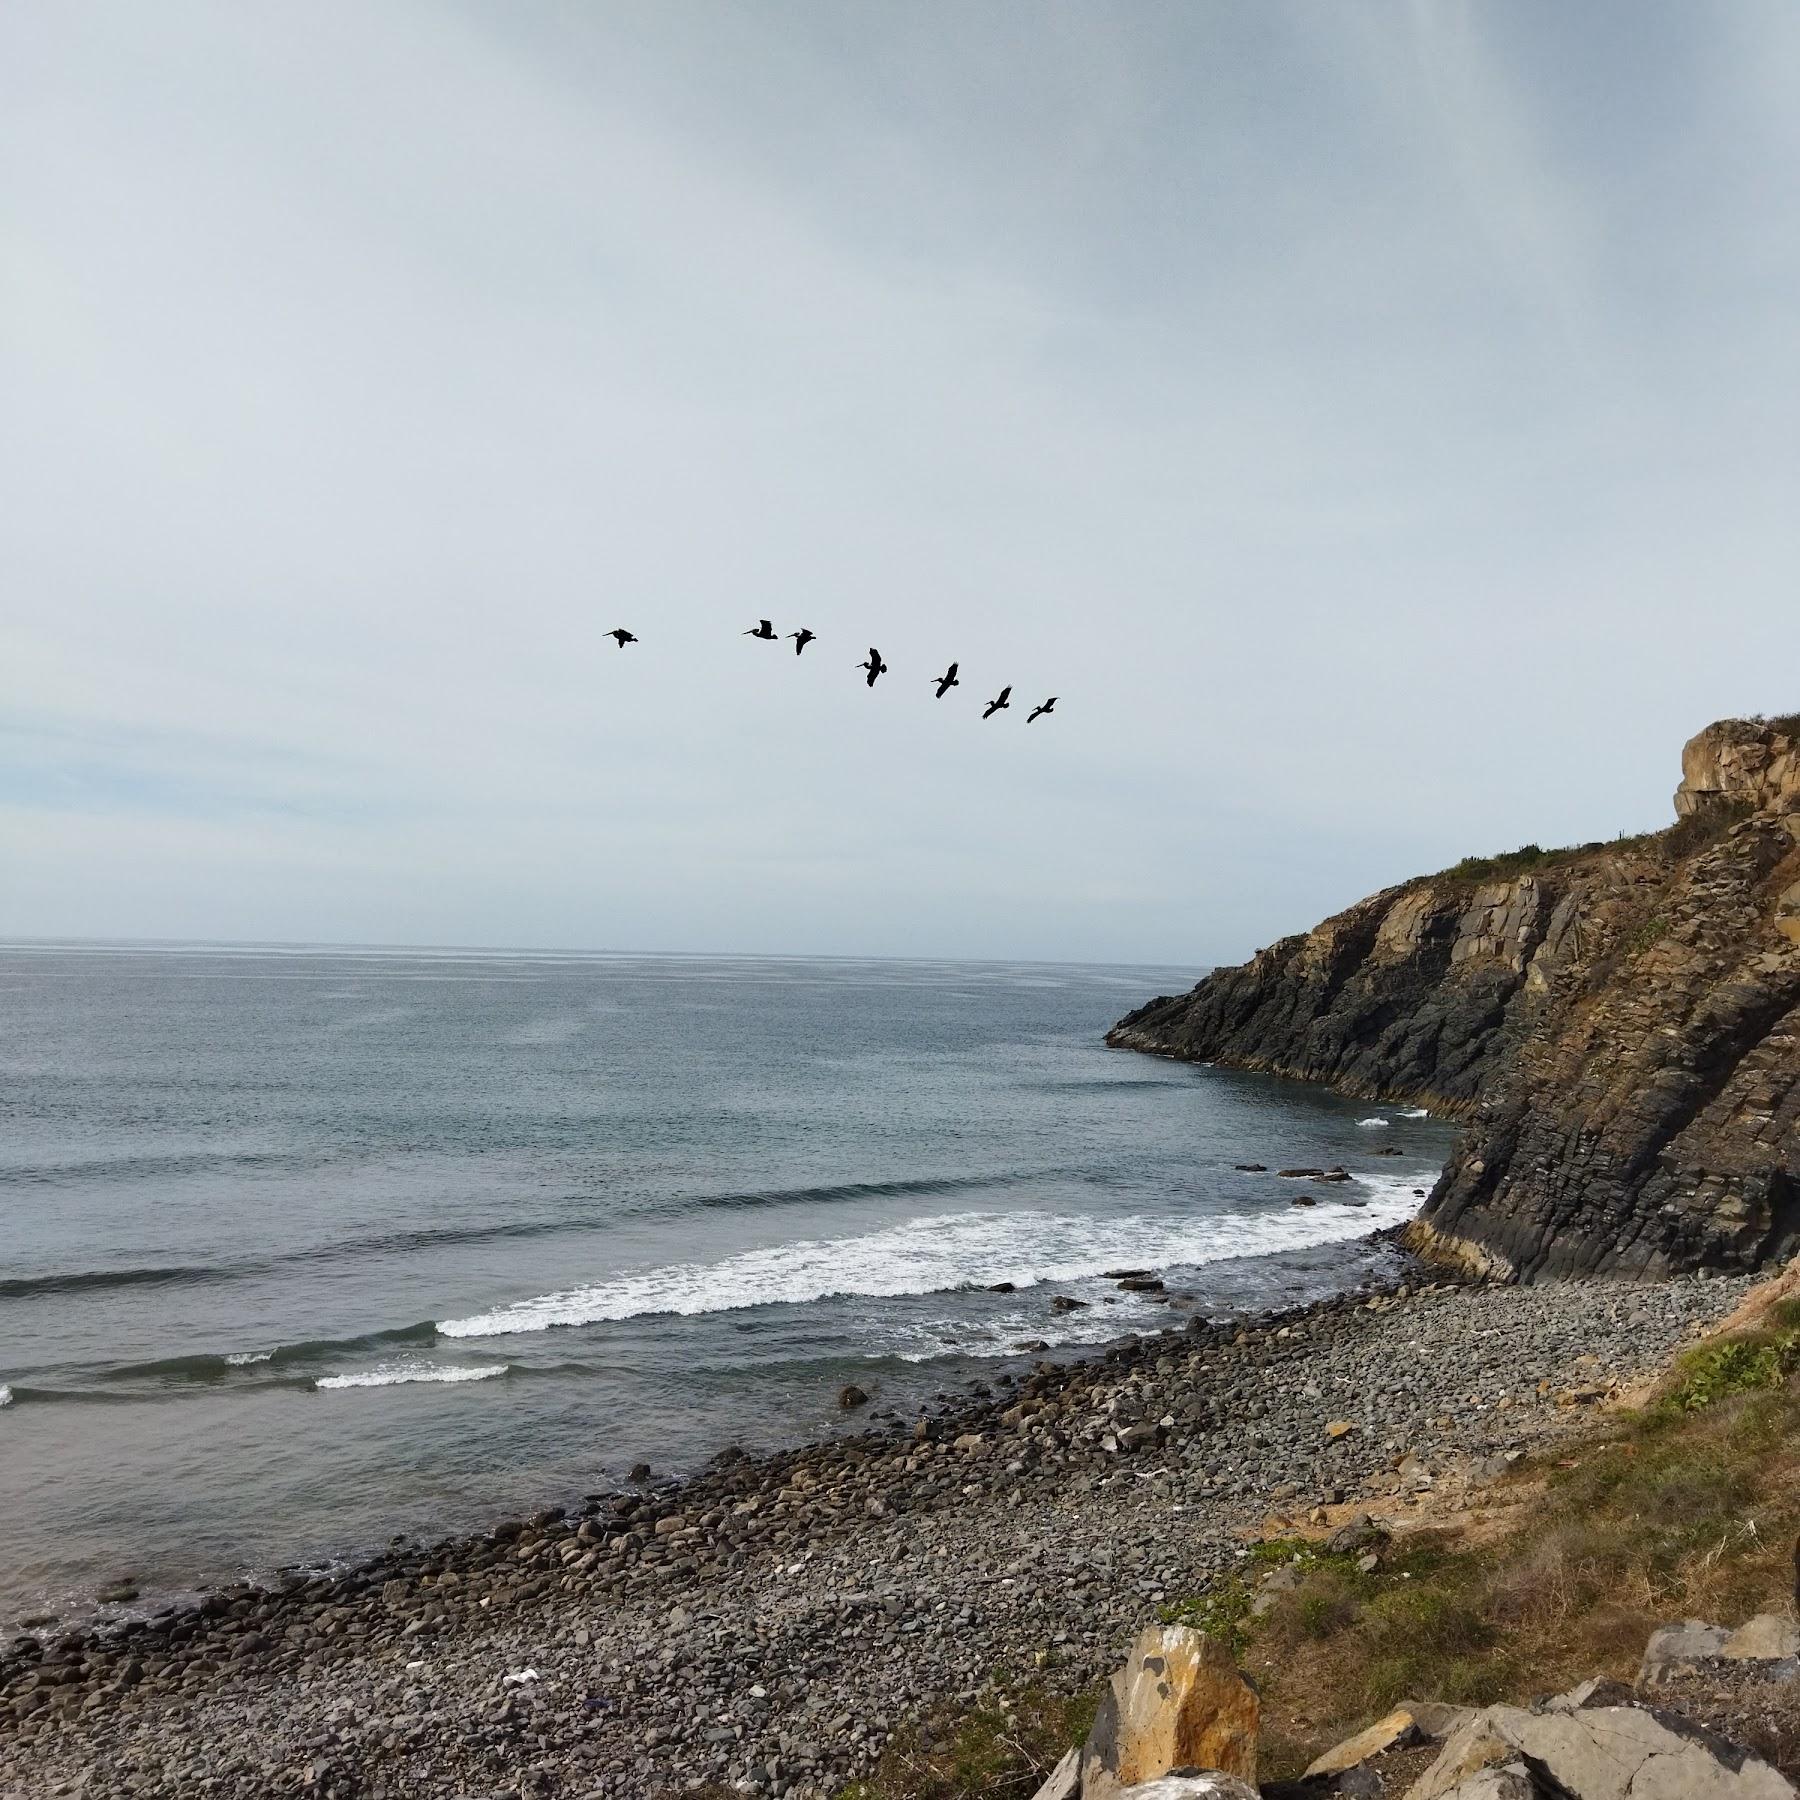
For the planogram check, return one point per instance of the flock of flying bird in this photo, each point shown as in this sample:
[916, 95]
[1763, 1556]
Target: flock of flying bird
[874, 665]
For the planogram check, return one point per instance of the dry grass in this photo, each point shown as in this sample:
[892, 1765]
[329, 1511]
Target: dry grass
[1686, 1509]
[1002, 1750]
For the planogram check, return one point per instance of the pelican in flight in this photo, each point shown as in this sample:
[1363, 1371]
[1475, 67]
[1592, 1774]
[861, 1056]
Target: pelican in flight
[946, 681]
[620, 636]
[874, 665]
[802, 637]
[1037, 712]
[999, 704]
[764, 630]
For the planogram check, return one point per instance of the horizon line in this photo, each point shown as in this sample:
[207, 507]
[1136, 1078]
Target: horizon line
[304, 946]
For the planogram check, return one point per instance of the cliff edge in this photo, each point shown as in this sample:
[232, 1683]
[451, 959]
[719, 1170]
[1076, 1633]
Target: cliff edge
[1619, 1025]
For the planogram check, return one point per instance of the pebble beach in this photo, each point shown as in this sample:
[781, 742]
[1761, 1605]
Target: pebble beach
[767, 1626]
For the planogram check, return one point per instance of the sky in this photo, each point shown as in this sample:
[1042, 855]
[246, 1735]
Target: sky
[1375, 422]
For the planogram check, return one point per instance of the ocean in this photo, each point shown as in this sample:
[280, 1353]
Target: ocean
[302, 1248]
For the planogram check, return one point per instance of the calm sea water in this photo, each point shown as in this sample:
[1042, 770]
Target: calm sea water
[303, 1248]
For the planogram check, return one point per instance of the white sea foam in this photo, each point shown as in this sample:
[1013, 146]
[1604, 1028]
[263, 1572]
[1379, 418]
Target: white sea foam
[1415, 1112]
[5, 1394]
[398, 1374]
[243, 1358]
[949, 1251]
[1373, 1124]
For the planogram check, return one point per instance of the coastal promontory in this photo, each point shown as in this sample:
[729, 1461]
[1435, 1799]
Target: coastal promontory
[1618, 1024]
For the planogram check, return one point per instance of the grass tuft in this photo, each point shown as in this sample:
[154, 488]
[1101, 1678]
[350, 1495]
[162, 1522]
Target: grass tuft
[999, 1750]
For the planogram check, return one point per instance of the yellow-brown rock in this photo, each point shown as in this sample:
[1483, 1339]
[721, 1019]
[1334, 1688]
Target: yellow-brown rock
[1398, 1728]
[1178, 1703]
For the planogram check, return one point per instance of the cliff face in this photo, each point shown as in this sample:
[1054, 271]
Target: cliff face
[1619, 1026]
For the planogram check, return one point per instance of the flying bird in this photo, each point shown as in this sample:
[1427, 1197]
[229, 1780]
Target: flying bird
[946, 681]
[1000, 704]
[802, 638]
[1037, 712]
[874, 665]
[764, 630]
[620, 636]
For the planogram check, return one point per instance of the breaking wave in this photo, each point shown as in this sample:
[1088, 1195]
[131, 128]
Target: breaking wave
[399, 1374]
[946, 1252]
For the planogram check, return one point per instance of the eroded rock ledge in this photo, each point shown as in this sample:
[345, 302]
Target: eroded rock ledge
[1619, 1025]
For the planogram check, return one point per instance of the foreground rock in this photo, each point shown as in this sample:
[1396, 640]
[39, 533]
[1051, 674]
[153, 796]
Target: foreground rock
[1681, 1649]
[1178, 1703]
[1397, 1730]
[1601, 1741]
[1192, 1784]
[1620, 1025]
[1587, 1747]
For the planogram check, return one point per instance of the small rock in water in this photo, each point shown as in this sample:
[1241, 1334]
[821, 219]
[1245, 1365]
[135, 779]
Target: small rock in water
[850, 1395]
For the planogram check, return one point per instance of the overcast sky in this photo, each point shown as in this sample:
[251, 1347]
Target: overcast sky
[1377, 423]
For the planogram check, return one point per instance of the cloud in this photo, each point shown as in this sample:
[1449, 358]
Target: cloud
[1348, 419]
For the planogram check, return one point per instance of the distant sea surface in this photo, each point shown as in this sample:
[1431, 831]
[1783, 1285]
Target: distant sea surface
[302, 1248]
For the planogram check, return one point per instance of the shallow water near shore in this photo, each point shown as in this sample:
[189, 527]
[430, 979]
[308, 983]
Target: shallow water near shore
[304, 1247]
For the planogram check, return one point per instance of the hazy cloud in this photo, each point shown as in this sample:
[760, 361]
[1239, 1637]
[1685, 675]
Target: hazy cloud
[1375, 423]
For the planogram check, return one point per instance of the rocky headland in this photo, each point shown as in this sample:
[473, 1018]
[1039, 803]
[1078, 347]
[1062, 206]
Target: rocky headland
[1618, 1025]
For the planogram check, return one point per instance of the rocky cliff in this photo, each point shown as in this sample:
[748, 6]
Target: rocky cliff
[1618, 1024]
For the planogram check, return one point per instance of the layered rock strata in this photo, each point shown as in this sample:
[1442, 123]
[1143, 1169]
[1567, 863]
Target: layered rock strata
[1619, 1025]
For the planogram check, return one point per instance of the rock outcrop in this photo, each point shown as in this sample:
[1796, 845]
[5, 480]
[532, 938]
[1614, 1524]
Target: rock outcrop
[1594, 1745]
[1619, 1025]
